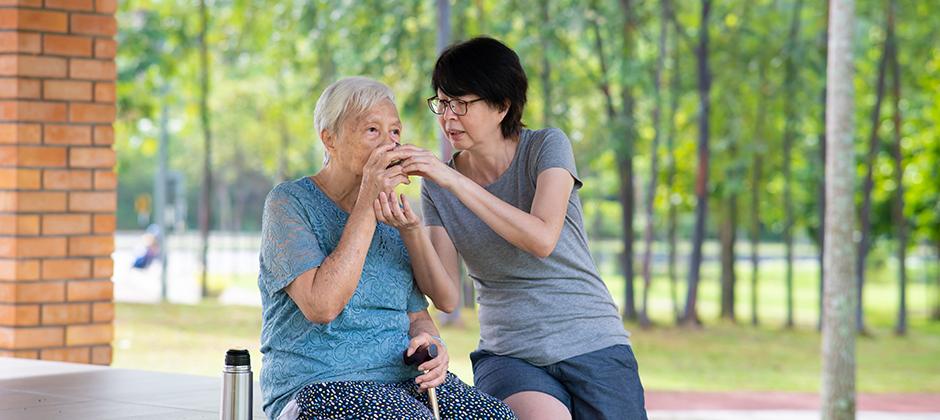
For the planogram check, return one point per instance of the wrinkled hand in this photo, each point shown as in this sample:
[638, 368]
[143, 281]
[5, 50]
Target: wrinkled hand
[378, 176]
[435, 370]
[396, 212]
[423, 163]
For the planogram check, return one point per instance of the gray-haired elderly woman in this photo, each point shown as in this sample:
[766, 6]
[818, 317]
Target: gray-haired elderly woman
[339, 300]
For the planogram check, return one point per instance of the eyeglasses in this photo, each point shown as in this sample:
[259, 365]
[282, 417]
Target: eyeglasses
[458, 106]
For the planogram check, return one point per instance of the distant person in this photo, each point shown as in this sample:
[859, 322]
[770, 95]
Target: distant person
[150, 249]
[552, 345]
[339, 301]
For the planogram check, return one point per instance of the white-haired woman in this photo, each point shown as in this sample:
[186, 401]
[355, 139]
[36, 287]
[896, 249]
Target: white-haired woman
[339, 300]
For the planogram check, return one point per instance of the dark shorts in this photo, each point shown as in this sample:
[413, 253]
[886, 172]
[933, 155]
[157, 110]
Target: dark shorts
[603, 384]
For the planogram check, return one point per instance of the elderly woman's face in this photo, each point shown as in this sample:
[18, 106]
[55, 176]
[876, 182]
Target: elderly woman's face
[360, 135]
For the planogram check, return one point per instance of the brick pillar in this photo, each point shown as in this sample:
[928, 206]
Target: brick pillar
[57, 181]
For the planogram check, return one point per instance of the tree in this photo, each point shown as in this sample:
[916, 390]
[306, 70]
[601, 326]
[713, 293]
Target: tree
[864, 245]
[654, 161]
[675, 85]
[821, 194]
[757, 167]
[690, 317]
[625, 127]
[789, 132]
[205, 202]
[838, 341]
[900, 222]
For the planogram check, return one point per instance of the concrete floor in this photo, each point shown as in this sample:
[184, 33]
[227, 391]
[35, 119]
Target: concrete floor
[39, 390]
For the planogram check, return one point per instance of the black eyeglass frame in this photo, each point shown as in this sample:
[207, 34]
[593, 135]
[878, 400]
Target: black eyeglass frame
[451, 103]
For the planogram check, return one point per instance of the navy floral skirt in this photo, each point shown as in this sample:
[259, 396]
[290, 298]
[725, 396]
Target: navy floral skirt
[397, 400]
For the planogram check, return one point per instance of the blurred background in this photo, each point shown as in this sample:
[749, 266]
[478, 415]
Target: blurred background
[668, 104]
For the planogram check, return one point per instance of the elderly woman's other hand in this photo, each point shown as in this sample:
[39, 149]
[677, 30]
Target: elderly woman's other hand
[378, 176]
[435, 370]
[396, 212]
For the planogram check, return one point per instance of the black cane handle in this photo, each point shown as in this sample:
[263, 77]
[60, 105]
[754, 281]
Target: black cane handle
[421, 355]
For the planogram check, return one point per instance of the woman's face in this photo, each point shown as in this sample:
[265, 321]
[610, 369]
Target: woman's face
[480, 123]
[361, 135]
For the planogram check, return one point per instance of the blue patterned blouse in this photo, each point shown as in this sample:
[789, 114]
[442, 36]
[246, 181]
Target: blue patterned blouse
[300, 227]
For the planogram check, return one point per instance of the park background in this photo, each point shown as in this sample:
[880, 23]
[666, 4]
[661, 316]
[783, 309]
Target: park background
[215, 102]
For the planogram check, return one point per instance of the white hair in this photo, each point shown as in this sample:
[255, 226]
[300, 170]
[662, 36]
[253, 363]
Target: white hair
[344, 98]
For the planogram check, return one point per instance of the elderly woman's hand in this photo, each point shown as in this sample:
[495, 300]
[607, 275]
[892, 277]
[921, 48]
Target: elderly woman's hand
[378, 176]
[435, 370]
[396, 212]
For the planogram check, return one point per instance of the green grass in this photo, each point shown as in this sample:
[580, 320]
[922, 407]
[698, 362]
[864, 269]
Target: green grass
[721, 356]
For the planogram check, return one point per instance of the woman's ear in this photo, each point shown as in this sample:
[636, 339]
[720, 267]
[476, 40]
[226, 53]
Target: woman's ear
[504, 109]
[328, 139]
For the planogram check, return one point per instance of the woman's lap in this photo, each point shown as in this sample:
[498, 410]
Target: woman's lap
[360, 399]
[597, 385]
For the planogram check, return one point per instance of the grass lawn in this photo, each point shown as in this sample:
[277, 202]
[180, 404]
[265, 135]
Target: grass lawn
[721, 356]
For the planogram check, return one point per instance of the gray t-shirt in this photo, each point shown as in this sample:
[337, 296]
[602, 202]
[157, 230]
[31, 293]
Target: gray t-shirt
[542, 310]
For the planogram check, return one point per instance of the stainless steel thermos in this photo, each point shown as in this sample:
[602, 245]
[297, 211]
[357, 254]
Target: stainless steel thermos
[236, 386]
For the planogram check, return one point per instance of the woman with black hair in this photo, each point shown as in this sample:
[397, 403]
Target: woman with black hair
[552, 344]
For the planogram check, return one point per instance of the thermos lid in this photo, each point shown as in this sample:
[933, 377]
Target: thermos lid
[237, 357]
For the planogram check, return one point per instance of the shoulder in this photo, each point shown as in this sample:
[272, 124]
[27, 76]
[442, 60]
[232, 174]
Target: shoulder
[288, 190]
[288, 194]
[534, 141]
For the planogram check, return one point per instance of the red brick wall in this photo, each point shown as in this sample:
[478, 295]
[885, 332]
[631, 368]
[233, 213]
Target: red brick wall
[57, 185]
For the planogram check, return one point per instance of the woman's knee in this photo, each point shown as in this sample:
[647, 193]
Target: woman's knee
[537, 405]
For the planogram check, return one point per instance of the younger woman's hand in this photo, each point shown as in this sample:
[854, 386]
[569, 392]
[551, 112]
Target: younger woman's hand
[423, 163]
[396, 212]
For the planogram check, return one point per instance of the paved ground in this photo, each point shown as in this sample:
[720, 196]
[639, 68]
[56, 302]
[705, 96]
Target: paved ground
[668, 405]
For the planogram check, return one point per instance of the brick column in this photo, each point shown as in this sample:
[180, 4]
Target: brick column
[57, 181]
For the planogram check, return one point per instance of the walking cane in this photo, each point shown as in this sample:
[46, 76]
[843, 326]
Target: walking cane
[421, 355]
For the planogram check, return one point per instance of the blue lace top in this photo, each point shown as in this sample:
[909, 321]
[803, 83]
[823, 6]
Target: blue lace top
[300, 227]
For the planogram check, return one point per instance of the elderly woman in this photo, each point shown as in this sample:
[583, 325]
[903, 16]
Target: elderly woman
[339, 300]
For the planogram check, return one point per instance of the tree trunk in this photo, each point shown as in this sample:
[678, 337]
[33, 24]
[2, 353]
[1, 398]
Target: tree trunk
[625, 160]
[821, 200]
[936, 308]
[788, 135]
[545, 33]
[654, 162]
[757, 168]
[675, 86]
[864, 244]
[822, 213]
[900, 223]
[690, 317]
[838, 341]
[728, 232]
[443, 40]
[205, 208]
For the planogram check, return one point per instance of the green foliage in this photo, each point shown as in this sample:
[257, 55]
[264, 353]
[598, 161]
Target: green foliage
[269, 60]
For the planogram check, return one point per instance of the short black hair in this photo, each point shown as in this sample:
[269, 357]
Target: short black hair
[488, 68]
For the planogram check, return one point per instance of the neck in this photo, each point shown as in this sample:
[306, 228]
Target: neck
[488, 160]
[340, 185]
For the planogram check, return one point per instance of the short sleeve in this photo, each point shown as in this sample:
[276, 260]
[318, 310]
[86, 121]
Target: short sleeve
[554, 151]
[289, 247]
[428, 210]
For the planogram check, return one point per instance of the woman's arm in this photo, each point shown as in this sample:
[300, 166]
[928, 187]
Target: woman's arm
[535, 232]
[424, 333]
[321, 293]
[434, 259]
